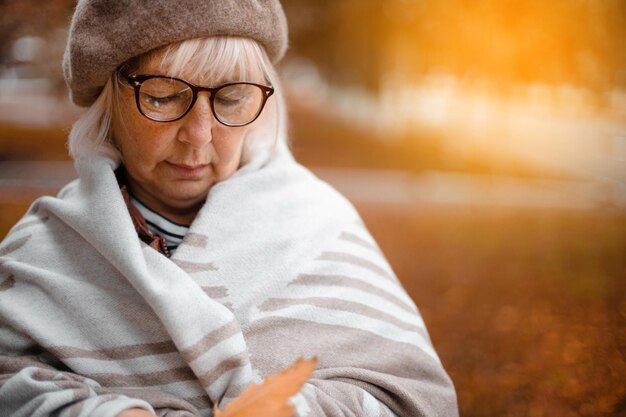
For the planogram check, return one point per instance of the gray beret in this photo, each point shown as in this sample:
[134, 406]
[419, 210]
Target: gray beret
[107, 33]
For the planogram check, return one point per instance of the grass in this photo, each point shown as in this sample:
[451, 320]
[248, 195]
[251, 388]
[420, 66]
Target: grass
[525, 307]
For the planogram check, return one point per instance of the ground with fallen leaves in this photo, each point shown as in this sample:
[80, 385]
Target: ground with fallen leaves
[526, 308]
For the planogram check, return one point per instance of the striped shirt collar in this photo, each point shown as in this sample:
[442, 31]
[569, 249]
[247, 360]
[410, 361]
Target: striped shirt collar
[172, 232]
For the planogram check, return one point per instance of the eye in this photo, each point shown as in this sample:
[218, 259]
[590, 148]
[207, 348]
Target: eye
[230, 99]
[160, 101]
[232, 95]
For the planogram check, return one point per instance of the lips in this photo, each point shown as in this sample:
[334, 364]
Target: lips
[188, 171]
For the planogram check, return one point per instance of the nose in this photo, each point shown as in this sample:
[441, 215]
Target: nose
[197, 125]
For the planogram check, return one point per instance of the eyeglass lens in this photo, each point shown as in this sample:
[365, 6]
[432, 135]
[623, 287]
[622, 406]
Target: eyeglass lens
[167, 99]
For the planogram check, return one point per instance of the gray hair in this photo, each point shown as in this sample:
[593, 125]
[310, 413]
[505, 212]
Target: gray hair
[208, 60]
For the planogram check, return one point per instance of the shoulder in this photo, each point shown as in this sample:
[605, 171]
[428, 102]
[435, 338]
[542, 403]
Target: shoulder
[286, 185]
[36, 227]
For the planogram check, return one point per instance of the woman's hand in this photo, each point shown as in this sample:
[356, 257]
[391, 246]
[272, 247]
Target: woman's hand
[136, 412]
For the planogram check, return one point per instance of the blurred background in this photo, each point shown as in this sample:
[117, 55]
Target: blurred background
[484, 143]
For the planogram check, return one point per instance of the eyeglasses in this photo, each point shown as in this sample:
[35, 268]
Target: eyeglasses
[167, 99]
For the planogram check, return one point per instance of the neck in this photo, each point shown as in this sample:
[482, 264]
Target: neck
[184, 216]
[184, 213]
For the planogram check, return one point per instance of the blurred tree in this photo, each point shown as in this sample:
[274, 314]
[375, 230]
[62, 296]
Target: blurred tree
[575, 41]
[562, 41]
[344, 38]
[47, 20]
[31, 17]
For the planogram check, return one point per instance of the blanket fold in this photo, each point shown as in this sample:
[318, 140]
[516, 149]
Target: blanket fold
[276, 266]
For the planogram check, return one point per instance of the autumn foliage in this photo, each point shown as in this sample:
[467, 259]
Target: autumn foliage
[269, 399]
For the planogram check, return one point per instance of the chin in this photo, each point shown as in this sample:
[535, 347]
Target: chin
[189, 194]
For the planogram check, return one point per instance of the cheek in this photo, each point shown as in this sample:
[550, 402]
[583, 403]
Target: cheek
[143, 144]
[229, 149]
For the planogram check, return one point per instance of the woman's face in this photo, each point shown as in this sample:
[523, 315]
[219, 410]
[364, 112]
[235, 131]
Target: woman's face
[171, 166]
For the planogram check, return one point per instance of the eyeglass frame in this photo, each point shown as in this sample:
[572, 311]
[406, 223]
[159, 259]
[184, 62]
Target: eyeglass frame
[136, 81]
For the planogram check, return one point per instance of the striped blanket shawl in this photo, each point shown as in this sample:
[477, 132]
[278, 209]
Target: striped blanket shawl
[277, 265]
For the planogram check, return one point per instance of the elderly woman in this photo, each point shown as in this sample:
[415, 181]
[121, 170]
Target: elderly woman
[194, 256]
